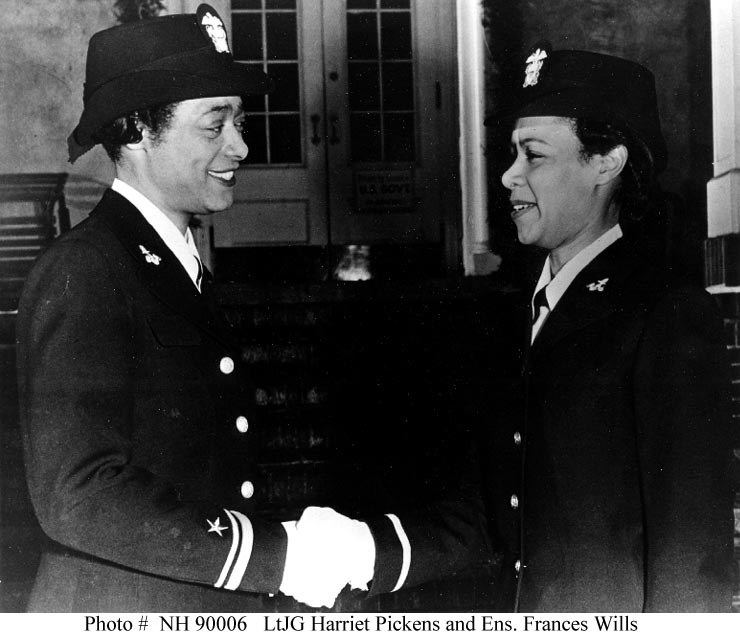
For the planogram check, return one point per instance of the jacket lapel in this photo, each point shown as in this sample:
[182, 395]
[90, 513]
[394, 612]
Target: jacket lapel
[593, 295]
[157, 267]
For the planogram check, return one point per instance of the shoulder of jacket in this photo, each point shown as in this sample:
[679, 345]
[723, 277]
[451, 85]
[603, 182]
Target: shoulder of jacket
[89, 249]
[91, 233]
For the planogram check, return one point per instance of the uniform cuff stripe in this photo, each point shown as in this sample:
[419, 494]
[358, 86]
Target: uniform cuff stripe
[235, 540]
[245, 551]
[406, 550]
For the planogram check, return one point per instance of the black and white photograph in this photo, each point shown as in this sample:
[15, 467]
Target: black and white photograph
[424, 314]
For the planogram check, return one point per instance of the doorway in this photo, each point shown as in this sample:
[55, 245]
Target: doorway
[357, 144]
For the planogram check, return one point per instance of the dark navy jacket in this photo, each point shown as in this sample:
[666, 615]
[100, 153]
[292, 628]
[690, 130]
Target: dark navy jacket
[603, 474]
[137, 422]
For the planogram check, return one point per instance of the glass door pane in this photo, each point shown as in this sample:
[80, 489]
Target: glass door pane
[391, 105]
[281, 190]
[265, 34]
[381, 81]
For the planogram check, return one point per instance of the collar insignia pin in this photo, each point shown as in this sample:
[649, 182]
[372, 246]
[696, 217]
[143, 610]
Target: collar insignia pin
[216, 526]
[149, 256]
[597, 286]
[534, 65]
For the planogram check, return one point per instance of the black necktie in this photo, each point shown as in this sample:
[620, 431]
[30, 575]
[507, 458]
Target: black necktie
[539, 301]
[199, 277]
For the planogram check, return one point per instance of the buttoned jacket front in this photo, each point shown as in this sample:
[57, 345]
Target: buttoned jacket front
[624, 497]
[137, 420]
[603, 472]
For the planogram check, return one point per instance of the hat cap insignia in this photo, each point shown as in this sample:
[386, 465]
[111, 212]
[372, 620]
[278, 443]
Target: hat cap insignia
[534, 65]
[212, 26]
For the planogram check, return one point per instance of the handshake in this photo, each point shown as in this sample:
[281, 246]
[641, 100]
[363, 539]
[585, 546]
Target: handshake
[326, 551]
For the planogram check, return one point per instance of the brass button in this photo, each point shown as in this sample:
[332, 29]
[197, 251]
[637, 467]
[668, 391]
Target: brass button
[242, 424]
[226, 365]
[514, 501]
[247, 489]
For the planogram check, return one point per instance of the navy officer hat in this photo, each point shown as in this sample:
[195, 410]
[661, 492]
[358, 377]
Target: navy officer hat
[158, 61]
[591, 85]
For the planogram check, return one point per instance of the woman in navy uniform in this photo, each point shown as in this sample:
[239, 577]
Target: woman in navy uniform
[606, 478]
[136, 407]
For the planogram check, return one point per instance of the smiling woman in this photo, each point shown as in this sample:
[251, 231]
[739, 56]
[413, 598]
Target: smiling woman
[605, 467]
[624, 500]
[188, 168]
[136, 405]
[562, 200]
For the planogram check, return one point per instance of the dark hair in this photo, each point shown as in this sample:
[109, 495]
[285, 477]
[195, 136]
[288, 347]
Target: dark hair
[638, 185]
[125, 129]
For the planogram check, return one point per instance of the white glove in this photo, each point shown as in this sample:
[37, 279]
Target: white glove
[326, 551]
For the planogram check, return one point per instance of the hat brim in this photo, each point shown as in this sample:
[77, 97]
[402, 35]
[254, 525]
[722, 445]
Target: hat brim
[152, 87]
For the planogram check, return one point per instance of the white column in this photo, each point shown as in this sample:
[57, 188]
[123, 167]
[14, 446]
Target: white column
[723, 191]
[477, 256]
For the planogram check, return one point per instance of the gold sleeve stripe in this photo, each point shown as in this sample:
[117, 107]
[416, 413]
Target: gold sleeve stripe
[235, 540]
[406, 550]
[245, 551]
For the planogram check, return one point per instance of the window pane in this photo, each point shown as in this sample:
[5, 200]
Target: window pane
[395, 4]
[256, 139]
[396, 35]
[285, 139]
[279, 4]
[364, 87]
[399, 137]
[398, 86]
[360, 4]
[362, 36]
[247, 36]
[254, 103]
[365, 131]
[281, 36]
[246, 4]
[285, 95]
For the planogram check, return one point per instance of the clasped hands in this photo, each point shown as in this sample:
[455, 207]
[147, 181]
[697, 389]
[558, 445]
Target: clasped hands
[326, 551]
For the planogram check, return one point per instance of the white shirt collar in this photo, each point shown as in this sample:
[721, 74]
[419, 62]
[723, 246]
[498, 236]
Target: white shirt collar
[182, 246]
[558, 285]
